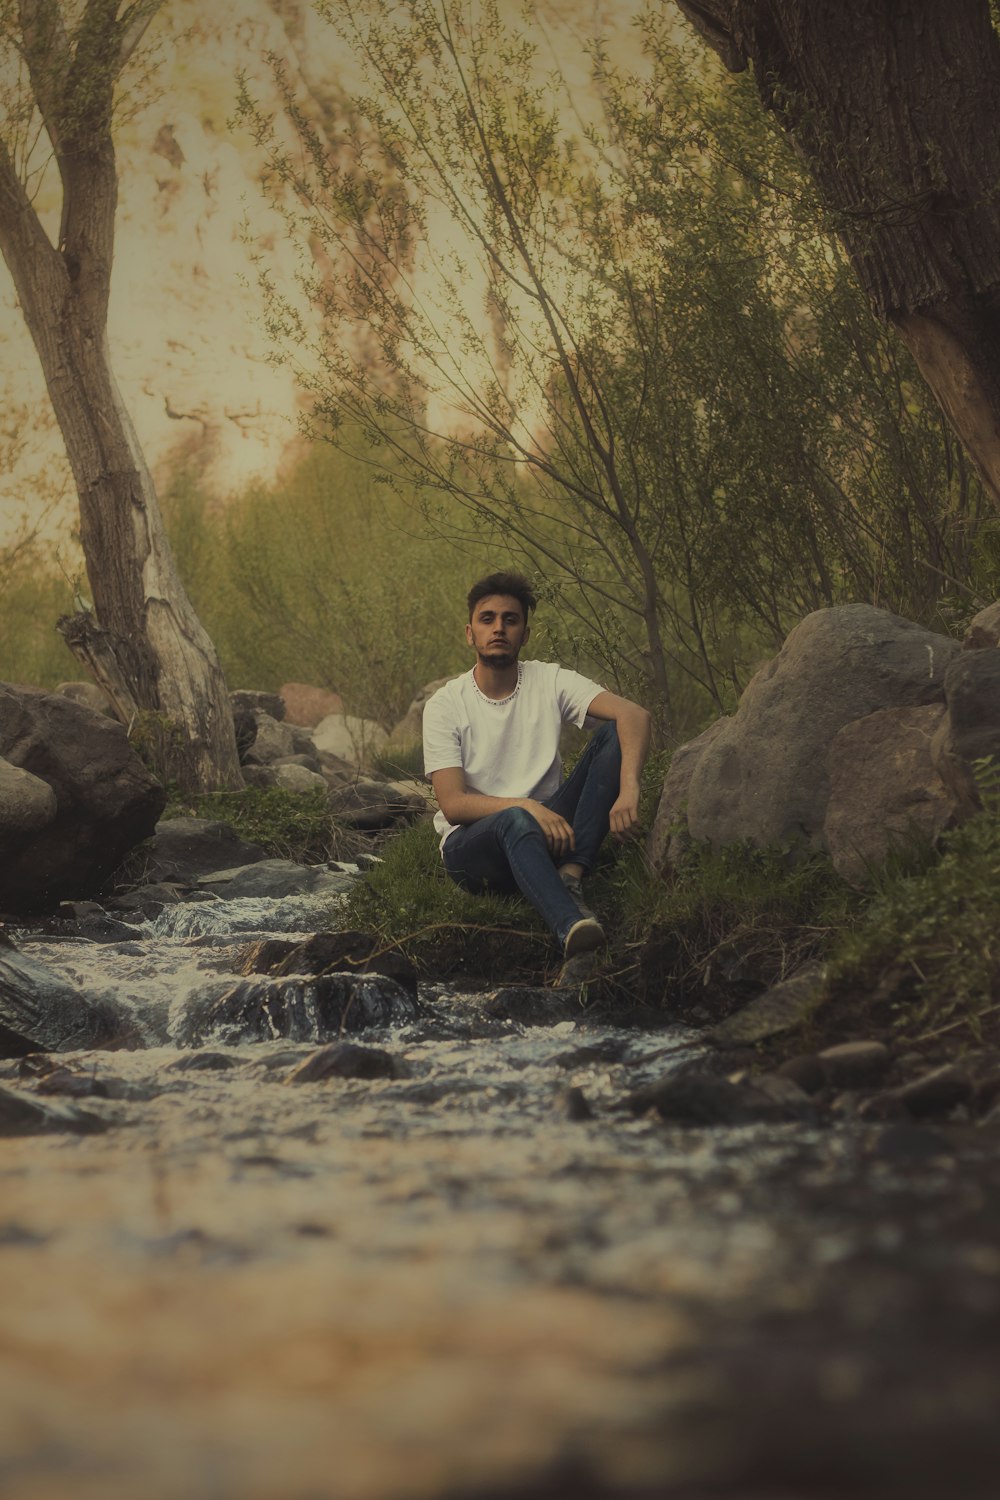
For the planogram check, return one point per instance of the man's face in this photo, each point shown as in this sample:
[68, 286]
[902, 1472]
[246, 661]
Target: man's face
[497, 630]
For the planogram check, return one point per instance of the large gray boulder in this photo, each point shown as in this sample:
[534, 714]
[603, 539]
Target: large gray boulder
[673, 799]
[970, 728]
[26, 802]
[106, 801]
[884, 790]
[765, 776]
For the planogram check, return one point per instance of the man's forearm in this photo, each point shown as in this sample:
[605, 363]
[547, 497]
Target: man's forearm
[634, 730]
[470, 806]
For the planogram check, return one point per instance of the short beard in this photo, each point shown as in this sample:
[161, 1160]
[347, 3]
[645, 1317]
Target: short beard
[498, 659]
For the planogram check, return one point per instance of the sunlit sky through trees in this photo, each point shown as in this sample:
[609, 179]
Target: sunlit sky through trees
[190, 354]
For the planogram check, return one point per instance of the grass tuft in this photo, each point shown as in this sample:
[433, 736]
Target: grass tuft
[289, 825]
[409, 902]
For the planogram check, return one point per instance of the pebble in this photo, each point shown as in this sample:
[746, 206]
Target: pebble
[346, 1060]
[855, 1064]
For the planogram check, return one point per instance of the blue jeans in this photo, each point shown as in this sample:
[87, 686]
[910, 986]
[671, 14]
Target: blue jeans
[507, 852]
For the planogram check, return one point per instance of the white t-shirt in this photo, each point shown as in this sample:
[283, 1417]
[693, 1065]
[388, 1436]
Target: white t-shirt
[507, 747]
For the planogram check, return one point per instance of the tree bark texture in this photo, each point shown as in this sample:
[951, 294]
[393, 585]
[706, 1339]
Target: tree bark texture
[153, 652]
[893, 105]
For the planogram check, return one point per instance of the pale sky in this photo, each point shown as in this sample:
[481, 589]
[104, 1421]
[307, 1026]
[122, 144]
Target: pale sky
[189, 354]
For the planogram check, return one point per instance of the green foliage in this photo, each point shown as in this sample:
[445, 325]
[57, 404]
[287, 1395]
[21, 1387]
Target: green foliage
[637, 355]
[926, 957]
[728, 922]
[402, 764]
[159, 742]
[409, 902]
[289, 825]
[33, 594]
[327, 578]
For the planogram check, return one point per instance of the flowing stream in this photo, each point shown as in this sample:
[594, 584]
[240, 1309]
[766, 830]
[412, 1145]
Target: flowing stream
[480, 1277]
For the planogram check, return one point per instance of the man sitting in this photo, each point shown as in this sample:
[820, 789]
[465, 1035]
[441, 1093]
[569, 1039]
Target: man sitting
[491, 750]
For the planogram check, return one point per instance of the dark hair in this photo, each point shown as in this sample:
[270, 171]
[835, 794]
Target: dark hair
[514, 584]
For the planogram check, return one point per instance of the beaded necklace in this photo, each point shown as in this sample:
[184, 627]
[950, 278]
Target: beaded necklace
[500, 702]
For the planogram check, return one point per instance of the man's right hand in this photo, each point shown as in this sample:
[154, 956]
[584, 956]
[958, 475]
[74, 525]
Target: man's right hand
[558, 833]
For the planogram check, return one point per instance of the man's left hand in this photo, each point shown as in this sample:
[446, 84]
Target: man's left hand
[624, 817]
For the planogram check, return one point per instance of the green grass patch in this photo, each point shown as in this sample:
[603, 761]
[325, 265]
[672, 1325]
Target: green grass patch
[405, 763]
[289, 825]
[729, 922]
[409, 902]
[924, 963]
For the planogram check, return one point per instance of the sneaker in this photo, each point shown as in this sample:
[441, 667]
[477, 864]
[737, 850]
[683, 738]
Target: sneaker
[574, 885]
[583, 937]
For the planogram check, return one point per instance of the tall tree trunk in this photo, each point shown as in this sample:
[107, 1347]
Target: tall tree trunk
[146, 645]
[893, 104]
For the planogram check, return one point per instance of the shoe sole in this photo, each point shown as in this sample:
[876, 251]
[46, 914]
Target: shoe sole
[583, 937]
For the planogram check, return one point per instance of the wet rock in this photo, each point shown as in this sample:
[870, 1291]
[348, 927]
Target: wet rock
[705, 1099]
[345, 953]
[274, 879]
[317, 1009]
[531, 1005]
[73, 1083]
[92, 922]
[106, 801]
[574, 1105]
[149, 899]
[609, 1050]
[780, 1008]
[263, 956]
[853, 1065]
[580, 970]
[20, 1114]
[806, 1071]
[183, 849]
[347, 1060]
[884, 1106]
[910, 1143]
[787, 1094]
[936, 1092]
[40, 1012]
[204, 1062]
